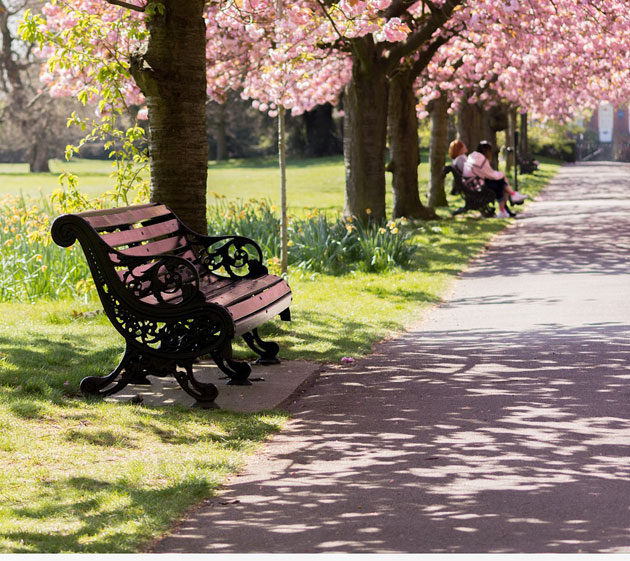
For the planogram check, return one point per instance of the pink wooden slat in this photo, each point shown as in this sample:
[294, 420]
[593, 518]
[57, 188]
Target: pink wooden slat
[241, 289]
[259, 301]
[123, 217]
[247, 323]
[145, 233]
[167, 245]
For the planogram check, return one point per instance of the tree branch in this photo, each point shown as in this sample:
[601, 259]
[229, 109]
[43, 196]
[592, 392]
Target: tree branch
[127, 5]
[417, 38]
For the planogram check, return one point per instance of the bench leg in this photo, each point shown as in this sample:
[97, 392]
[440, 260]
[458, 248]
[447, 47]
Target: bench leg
[267, 350]
[127, 369]
[237, 371]
[204, 393]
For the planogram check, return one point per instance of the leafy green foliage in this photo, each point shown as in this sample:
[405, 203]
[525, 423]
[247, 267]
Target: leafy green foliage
[80, 48]
[340, 245]
[31, 267]
[317, 243]
[555, 140]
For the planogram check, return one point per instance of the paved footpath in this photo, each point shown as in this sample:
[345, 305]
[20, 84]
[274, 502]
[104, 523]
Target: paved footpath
[501, 423]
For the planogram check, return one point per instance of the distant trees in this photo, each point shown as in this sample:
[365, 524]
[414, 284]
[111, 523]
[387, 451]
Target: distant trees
[237, 130]
[27, 113]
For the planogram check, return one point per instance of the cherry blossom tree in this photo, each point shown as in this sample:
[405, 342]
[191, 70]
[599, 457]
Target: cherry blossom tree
[547, 59]
[520, 52]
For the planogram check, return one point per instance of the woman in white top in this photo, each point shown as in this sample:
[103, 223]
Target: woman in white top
[478, 165]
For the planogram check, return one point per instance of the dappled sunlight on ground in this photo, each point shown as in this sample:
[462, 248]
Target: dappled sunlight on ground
[501, 424]
[453, 452]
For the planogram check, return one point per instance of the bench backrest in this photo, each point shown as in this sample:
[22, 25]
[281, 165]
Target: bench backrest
[141, 231]
[149, 232]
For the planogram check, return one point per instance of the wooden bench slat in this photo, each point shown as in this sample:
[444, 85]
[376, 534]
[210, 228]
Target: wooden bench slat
[126, 217]
[241, 289]
[167, 245]
[126, 237]
[256, 302]
[250, 322]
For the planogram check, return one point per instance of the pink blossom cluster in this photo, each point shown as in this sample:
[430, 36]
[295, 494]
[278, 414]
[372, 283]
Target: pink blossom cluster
[543, 56]
[551, 59]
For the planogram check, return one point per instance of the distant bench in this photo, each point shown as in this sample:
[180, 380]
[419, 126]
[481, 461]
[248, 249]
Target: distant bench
[174, 295]
[475, 195]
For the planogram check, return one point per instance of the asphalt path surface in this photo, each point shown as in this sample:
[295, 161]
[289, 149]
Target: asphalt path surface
[500, 423]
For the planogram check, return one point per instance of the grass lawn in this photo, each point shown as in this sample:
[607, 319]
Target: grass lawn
[88, 476]
[313, 183]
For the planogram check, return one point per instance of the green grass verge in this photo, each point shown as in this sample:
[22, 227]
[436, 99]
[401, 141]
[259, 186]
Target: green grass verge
[311, 183]
[83, 476]
[92, 476]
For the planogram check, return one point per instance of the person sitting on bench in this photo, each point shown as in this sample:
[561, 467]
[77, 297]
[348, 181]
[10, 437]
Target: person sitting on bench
[457, 151]
[478, 164]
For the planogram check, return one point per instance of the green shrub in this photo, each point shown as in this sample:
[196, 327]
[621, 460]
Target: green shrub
[255, 219]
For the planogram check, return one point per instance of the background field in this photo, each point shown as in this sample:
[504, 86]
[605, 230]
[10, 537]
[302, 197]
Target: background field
[312, 183]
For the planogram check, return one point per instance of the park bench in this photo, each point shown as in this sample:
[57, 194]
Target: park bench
[174, 295]
[526, 163]
[475, 195]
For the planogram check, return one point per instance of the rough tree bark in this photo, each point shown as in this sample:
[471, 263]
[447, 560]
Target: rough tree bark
[172, 76]
[493, 120]
[437, 151]
[404, 144]
[365, 127]
[469, 124]
[523, 140]
[38, 154]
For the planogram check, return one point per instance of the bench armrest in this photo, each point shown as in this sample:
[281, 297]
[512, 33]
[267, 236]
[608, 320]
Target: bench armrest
[162, 280]
[238, 256]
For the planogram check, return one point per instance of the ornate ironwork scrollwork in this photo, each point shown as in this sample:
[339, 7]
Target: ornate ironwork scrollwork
[192, 335]
[236, 255]
[171, 280]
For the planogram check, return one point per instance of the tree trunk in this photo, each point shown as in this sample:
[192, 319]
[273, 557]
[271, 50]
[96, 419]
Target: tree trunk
[524, 142]
[451, 128]
[490, 135]
[220, 134]
[172, 76]
[437, 151]
[404, 144]
[365, 129]
[469, 124]
[509, 141]
[321, 134]
[38, 155]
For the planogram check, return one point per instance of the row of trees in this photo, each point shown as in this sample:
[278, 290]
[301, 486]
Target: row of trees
[393, 60]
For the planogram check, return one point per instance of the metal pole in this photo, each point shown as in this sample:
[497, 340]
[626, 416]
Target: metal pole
[515, 160]
[284, 232]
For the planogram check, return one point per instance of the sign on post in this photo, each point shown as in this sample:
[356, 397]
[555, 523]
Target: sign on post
[605, 118]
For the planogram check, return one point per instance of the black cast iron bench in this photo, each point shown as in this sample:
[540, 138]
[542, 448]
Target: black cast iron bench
[174, 295]
[475, 195]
